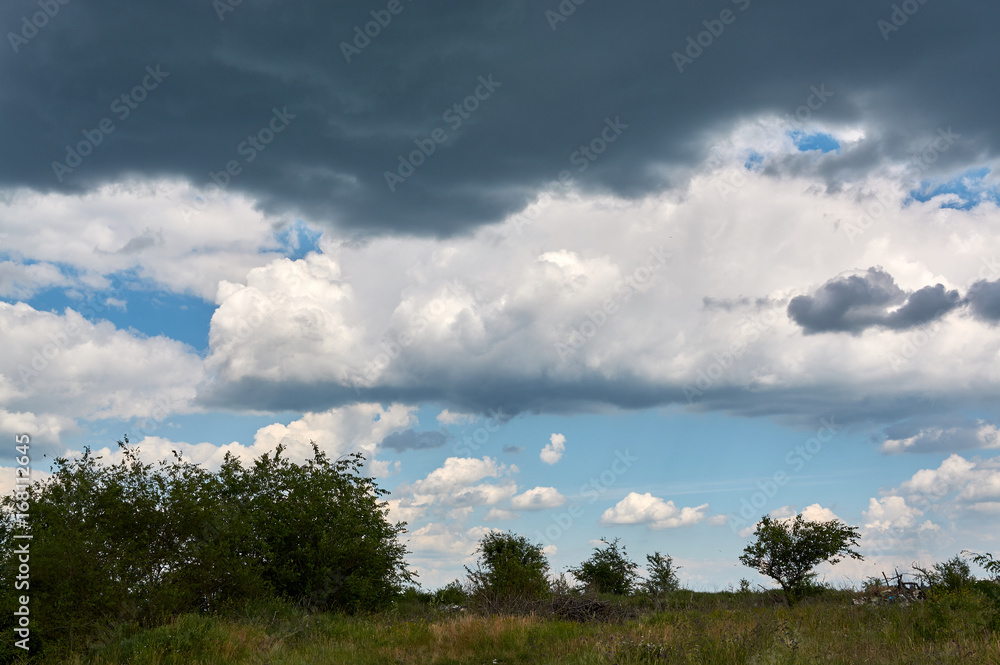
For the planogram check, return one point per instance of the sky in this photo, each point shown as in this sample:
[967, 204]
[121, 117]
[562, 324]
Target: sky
[576, 270]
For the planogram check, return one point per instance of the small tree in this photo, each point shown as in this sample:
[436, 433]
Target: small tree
[788, 550]
[662, 575]
[510, 567]
[608, 570]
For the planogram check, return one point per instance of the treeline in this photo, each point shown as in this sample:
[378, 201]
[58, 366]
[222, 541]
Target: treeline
[137, 544]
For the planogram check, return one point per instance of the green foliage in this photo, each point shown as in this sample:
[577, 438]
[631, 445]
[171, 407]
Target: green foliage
[509, 567]
[987, 562]
[788, 550]
[451, 594]
[947, 614]
[662, 575]
[138, 543]
[608, 570]
[953, 574]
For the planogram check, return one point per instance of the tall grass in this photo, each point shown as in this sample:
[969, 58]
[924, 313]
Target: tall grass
[696, 628]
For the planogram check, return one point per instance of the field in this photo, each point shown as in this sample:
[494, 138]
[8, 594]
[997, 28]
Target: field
[724, 628]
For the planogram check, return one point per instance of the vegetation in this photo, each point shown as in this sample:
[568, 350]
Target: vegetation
[510, 568]
[288, 563]
[704, 628]
[662, 578]
[953, 574]
[787, 551]
[608, 570]
[137, 544]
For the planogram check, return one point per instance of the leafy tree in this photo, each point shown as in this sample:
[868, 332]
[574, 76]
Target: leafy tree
[788, 550]
[509, 567]
[662, 575]
[135, 542]
[608, 570]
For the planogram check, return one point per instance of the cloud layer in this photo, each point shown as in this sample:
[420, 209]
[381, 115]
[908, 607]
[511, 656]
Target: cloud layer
[132, 99]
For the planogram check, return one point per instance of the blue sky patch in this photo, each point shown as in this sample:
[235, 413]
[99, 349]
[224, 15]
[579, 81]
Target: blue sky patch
[128, 305]
[816, 141]
[970, 188]
[298, 239]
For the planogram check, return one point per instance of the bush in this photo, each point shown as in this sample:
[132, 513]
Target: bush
[135, 543]
[451, 594]
[953, 574]
[608, 570]
[662, 575]
[947, 614]
[510, 568]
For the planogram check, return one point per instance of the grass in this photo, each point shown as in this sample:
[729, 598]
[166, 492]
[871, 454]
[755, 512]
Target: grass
[697, 628]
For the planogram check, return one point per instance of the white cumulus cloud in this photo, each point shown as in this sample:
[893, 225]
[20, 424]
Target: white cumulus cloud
[658, 514]
[553, 450]
[538, 499]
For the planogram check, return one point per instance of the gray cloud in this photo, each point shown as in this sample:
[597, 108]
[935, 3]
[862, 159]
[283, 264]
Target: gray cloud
[940, 434]
[984, 300]
[224, 75]
[413, 440]
[855, 303]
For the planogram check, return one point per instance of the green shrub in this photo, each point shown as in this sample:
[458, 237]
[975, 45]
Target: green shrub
[953, 574]
[137, 543]
[451, 594]
[608, 570]
[662, 575]
[947, 614]
[510, 567]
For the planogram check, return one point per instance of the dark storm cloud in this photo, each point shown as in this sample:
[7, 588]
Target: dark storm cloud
[185, 88]
[413, 440]
[984, 300]
[857, 302]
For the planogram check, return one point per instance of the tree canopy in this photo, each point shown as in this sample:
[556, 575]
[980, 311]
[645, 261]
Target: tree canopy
[788, 550]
